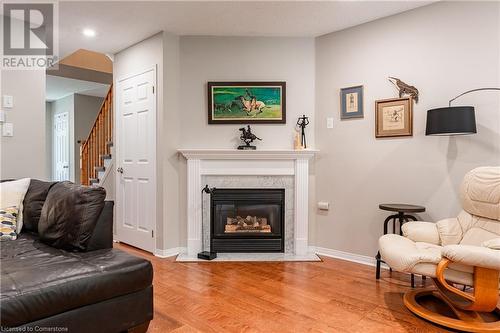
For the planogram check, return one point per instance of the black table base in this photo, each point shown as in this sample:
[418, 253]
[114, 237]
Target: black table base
[397, 222]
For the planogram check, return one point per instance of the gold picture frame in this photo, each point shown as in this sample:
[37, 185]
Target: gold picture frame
[394, 117]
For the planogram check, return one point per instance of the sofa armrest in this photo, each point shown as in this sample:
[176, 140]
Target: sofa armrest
[471, 255]
[426, 232]
[102, 237]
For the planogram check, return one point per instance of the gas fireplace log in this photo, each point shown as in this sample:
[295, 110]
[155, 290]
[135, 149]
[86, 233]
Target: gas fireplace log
[248, 224]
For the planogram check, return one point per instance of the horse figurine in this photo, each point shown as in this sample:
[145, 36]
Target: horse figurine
[247, 137]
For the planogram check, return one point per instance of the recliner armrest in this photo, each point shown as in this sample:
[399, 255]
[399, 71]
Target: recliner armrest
[471, 255]
[426, 232]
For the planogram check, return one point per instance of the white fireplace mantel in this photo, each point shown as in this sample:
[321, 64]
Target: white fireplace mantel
[235, 154]
[201, 162]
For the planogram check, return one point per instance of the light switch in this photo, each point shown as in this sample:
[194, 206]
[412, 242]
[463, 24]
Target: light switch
[8, 101]
[8, 129]
[329, 122]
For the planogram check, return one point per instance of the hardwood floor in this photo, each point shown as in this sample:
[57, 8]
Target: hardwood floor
[329, 296]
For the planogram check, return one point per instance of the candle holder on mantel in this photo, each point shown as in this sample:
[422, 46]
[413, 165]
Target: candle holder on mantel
[297, 144]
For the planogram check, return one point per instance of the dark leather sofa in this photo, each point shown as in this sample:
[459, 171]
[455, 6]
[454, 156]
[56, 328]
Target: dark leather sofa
[100, 289]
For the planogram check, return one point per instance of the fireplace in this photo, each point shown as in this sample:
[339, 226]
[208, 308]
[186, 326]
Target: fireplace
[247, 220]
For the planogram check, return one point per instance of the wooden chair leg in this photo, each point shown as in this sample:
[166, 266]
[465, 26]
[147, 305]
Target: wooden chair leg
[485, 297]
[471, 312]
[417, 301]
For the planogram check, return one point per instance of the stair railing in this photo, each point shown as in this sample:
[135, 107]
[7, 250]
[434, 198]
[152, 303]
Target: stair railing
[98, 143]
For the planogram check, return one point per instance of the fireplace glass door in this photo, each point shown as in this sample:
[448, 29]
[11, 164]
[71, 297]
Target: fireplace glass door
[247, 220]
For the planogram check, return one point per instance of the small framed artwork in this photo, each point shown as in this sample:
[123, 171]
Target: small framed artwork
[246, 102]
[393, 117]
[351, 102]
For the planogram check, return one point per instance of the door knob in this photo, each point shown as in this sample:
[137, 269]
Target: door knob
[120, 170]
[66, 166]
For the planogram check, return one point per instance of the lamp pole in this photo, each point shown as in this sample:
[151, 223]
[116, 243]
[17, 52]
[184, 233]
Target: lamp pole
[469, 91]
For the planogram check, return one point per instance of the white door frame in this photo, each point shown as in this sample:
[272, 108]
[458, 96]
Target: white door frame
[117, 145]
[54, 150]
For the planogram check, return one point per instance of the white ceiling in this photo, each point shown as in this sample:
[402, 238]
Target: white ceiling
[120, 24]
[58, 87]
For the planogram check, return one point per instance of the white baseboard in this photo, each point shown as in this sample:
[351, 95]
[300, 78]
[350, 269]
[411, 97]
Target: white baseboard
[169, 252]
[348, 256]
[353, 257]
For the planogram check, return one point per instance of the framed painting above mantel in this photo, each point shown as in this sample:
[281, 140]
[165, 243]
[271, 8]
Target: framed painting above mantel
[247, 102]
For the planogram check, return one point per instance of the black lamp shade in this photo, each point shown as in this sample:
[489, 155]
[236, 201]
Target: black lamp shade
[453, 120]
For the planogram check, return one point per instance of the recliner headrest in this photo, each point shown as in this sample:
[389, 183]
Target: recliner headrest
[480, 192]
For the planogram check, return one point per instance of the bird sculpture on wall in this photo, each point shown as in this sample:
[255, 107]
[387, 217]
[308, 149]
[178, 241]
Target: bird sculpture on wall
[404, 88]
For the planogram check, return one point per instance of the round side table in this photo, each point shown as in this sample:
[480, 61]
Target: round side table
[403, 215]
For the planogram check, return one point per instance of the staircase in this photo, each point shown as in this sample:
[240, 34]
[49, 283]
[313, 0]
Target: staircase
[96, 152]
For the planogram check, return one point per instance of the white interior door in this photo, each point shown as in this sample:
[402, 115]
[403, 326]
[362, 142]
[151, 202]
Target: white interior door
[136, 160]
[61, 146]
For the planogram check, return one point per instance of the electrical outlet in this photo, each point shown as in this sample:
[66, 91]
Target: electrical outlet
[329, 122]
[323, 205]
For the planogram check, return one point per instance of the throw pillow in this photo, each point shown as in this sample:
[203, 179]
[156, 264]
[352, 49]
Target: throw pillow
[69, 215]
[8, 220]
[12, 194]
[33, 203]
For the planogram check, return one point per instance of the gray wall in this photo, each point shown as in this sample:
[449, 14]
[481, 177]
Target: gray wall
[443, 49]
[23, 155]
[244, 59]
[168, 143]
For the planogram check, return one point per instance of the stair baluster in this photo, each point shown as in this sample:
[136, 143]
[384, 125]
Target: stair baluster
[97, 143]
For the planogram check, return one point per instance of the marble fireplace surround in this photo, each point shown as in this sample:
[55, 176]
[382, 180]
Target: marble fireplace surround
[259, 168]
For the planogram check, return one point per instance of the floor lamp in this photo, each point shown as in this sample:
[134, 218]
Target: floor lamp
[453, 120]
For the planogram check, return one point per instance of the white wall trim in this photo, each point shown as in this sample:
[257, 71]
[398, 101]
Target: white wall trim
[169, 252]
[352, 257]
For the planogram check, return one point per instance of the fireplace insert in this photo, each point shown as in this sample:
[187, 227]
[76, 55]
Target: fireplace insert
[247, 220]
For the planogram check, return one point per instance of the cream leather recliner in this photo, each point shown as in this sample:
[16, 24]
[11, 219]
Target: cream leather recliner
[462, 250]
